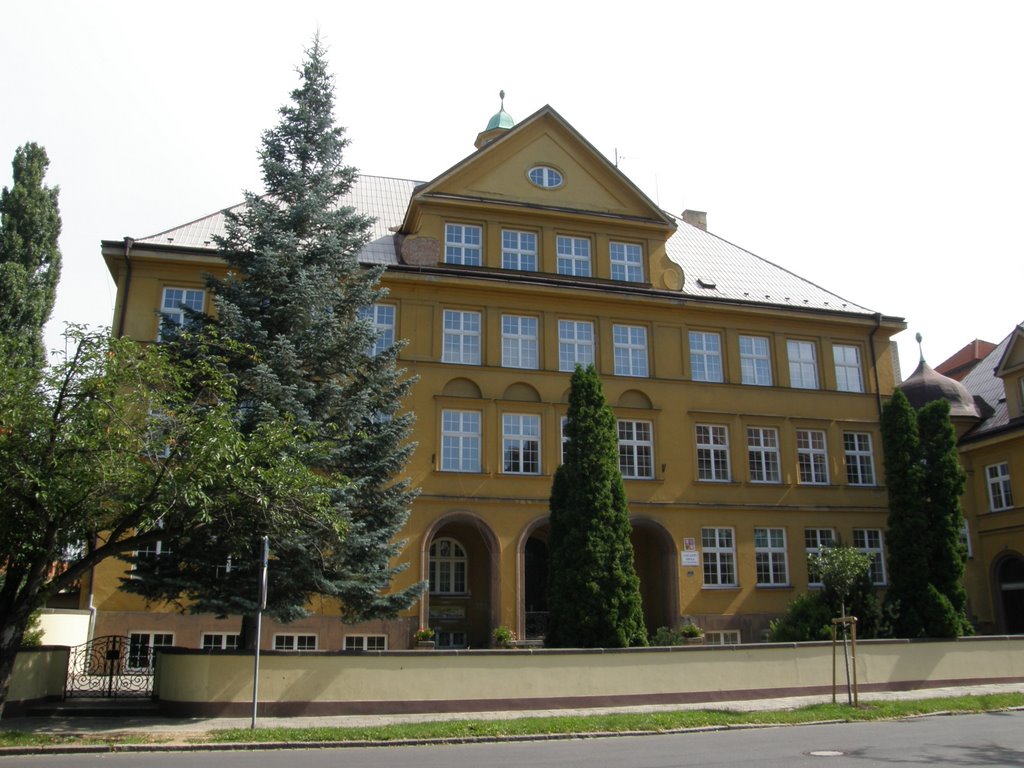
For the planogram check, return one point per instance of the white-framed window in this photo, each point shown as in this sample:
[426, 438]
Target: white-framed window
[460, 441]
[545, 176]
[366, 642]
[705, 356]
[461, 337]
[636, 449]
[815, 540]
[219, 641]
[174, 303]
[141, 647]
[575, 344]
[770, 557]
[295, 642]
[722, 637]
[860, 460]
[718, 550]
[447, 567]
[848, 372]
[812, 457]
[462, 244]
[755, 361]
[627, 261]
[803, 364]
[519, 341]
[763, 455]
[869, 541]
[712, 453]
[1000, 494]
[518, 250]
[573, 255]
[965, 540]
[520, 443]
[630, 345]
[382, 317]
[563, 438]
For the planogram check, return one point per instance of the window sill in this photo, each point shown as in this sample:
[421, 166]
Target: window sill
[773, 586]
[721, 587]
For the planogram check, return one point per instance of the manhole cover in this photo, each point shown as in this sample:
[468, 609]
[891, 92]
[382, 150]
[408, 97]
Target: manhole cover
[826, 753]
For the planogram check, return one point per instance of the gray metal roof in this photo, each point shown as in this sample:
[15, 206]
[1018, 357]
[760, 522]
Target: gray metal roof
[714, 268]
[982, 382]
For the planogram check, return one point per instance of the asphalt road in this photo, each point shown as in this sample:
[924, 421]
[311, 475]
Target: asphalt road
[993, 739]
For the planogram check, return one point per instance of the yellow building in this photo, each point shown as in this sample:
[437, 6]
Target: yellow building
[747, 398]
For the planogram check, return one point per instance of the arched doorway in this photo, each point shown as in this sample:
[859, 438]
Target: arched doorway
[654, 553]
[461, 570]
[1010, 589]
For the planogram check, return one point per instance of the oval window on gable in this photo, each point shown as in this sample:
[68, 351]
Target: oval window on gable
[546, 177]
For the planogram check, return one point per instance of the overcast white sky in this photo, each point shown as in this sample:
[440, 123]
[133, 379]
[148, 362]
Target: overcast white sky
[875, 148]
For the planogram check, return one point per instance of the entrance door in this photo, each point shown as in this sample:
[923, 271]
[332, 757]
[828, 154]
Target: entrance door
[1010, 577]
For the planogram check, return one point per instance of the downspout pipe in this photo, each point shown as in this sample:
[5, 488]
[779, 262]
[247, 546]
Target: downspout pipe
[874, 364]
[128, 243]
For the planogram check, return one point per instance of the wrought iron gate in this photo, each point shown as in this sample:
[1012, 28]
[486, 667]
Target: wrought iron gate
[110, 666]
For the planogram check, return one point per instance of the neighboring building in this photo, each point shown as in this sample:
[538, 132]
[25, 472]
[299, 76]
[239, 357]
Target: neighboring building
[747, 398]
[964, 360]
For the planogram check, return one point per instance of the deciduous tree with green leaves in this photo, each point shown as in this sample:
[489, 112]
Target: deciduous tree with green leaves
[105, 451]
[594, 592]
[297, 294]
[29, 257]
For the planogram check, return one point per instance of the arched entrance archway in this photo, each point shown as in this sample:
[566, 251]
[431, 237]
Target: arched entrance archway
[654, 553]
[1009, 578]
[533, 591]
[461, 568]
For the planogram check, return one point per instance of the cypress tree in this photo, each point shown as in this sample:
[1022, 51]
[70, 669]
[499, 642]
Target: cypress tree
[944, 481]
[594, 592]
[908, 557]
[29, 256]
[294, 295]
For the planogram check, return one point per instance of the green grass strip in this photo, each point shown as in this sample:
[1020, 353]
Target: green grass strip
[546, 726]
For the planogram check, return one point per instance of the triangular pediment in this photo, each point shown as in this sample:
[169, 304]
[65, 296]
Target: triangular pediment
[1013, 358]
[498, 175]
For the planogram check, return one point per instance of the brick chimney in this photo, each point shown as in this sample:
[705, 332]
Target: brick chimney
[698, 219]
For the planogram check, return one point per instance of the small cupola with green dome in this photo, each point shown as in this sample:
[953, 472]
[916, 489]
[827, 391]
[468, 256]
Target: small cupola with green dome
[499, 124]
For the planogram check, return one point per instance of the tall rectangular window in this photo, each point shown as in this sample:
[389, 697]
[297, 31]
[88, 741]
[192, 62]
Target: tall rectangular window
[860, 462]
[812, 456]
[563, 439]
[636, 449]
[815, 540]
[755, 362]
[712, 453]
[848, 372]
[573, 256]
[462, 244]
[763, 455]
[461, 337]
[460, 441]
[627, 262]
[803, 365]
[770, 556]
[629, 343]
[382, 317]
[718, 550]
[1000, 495]
[174, 304]
[520, 444]
[869, 541]
[575, 344]
[518, 250]
[519, 341]
[705, 356]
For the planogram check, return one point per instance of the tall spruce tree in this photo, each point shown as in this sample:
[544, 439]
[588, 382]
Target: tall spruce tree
[926, 597]
[295, 293]
[29, 256]
[594, 591]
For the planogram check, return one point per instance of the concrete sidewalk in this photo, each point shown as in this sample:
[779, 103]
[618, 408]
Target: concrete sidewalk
[180, 729]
